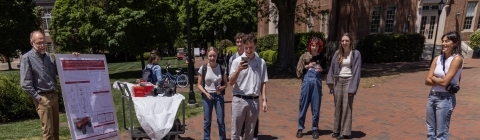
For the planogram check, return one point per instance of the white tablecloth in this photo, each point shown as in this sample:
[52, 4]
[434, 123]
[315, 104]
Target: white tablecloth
[156, 114]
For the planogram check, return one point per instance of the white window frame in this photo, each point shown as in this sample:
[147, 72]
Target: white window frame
[310, 24]
[49, 47]
[46, 19]
[394, 19]
[379, 20]
[472, 16]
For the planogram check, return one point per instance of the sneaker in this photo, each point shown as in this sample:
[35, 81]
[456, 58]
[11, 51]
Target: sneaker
[299, 133]
[241, 138]
[255, 138]
[315, 134]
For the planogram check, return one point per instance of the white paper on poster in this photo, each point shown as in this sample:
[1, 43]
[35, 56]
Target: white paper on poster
[87, 96]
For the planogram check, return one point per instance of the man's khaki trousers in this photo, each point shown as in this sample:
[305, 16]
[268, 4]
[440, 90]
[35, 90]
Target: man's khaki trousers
[47, 110]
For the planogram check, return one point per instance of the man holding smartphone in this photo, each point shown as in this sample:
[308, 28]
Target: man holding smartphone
[248, 76]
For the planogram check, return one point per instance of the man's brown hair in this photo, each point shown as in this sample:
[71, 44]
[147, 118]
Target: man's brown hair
[251, 37]
[239, 35]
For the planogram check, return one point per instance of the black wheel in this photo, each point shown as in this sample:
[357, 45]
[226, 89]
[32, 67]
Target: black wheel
[84, 129]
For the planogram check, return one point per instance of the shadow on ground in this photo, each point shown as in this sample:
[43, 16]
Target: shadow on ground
[357, 134]
[386, 69]
[368, 70]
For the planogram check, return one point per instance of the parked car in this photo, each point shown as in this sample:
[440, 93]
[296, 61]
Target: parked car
[180, 55]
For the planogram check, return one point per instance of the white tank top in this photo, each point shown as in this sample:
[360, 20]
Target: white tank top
[440, 74]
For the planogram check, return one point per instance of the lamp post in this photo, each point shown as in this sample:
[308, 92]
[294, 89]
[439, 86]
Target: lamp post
[440, 8]
[191, 94]
[214, 37]
[224, 31]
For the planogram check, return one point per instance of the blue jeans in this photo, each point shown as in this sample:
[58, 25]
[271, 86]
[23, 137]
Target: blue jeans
[440, 106]
[311, 93]
[218, 102]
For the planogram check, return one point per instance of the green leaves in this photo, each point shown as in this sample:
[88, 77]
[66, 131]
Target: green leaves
[18, 19]
[475, 40]
[209, 16]
[114, 26]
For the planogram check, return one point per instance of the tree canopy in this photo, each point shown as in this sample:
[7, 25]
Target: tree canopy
[288, 12]
[117, 26]
[208, 16]
[19, 18]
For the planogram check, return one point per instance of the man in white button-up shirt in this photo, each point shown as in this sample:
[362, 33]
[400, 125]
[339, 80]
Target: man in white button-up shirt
[248, 76]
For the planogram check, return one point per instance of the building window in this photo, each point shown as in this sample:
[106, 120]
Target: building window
[375, 23]
[423, 22]
[390, 20]
[47, 16]
[478, 26]
[310, 24]
[49, 47]
[326, 24]
[322, 28]
[425, 7]
[469, 15]
[431, 26]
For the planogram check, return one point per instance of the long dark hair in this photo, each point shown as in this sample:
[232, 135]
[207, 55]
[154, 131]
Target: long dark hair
[154, 60]
[454, 36]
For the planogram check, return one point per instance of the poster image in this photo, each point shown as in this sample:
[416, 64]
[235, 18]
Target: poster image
[87, 96]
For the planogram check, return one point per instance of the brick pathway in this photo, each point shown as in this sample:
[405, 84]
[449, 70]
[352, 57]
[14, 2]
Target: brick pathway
[395, 110]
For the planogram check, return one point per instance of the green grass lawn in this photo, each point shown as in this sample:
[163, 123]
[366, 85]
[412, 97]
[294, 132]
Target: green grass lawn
[125, 72]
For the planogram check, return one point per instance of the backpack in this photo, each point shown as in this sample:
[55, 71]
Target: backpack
[204, 72]
[147, 74]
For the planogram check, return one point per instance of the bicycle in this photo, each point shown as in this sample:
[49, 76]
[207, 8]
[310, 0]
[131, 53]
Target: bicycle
[181, 80]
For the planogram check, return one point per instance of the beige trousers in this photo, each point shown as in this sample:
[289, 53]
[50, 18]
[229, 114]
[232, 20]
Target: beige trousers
[48, 112]
[343, 107]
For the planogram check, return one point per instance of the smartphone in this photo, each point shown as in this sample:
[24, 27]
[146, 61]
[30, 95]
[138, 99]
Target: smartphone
[245, 59]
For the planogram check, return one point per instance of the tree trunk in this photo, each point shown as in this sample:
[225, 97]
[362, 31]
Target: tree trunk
[286, 26]
[7, 58]
[333, 30]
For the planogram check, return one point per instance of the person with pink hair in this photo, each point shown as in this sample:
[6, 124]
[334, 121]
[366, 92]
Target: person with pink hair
[309, 69]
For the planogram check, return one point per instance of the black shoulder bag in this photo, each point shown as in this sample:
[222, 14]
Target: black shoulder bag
[453, 88]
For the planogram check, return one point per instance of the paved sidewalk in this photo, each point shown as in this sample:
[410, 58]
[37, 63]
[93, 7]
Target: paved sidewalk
[14, 63]
[395, 110]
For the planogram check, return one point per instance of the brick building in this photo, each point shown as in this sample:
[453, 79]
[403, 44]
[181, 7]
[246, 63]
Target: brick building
[362, 18]
[379, 17]
[319, 24]
[47, 6]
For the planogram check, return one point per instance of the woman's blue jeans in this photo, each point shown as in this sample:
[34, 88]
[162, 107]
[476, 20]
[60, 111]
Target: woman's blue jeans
[218, 102]
[440, 106]
[311, 93]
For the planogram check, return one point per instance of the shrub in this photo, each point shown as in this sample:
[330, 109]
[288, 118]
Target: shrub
[268, 42]
[269, 55]
[384, 48]
[146, 55]
[222, 45]
[262, 54]
[475, 40]
[16, 104]
[302, 39]
[233, 49]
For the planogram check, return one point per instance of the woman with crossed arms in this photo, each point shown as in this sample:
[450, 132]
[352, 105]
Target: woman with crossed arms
[444, 74]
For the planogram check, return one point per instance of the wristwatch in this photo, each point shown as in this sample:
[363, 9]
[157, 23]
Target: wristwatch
[265, 100]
